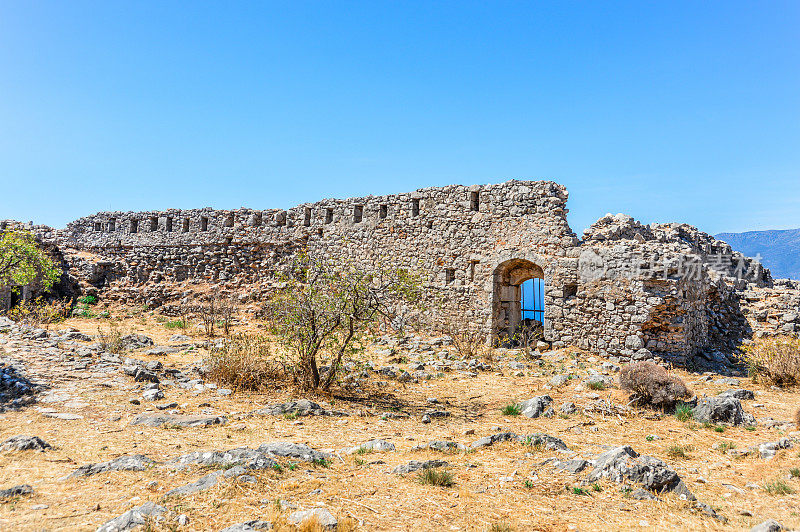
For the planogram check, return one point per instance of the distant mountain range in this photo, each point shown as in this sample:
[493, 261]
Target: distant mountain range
[779, 250]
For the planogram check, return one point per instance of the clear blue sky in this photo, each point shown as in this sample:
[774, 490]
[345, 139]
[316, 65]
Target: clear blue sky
[671, 111]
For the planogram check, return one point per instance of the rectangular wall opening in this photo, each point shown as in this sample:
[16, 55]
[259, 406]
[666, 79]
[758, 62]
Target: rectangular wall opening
[415, 207]
[255, 221]
[449, 275]
[228, 221]
[112, 225]
[153, 223]
[186, 225]
[280, 219]
[384, 211]
[358, 213]
[307, 217]
[98, 226]
[328, 215]
[474, 201]
[203, 223]
[134, 226]
[168, 224]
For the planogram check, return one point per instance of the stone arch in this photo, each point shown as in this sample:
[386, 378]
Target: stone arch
[507, 279]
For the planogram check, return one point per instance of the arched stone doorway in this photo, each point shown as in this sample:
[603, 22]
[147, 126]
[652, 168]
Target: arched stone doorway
[507, 316]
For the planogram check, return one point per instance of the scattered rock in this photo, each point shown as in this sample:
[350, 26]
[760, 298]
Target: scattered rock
[133, 462]
[303, 407]
[249, 526]
[203, 483]
[574, 466]
[323, 517]
[158, 420]
[16, 491]
[133, 518]
[417, 465]
[24, 443]
[442, 446]
[769, 449]
[536, 406]
[624, 464]
[568, 408]
[770, 525]
[722, 409]
[372, 445]
[740, 394]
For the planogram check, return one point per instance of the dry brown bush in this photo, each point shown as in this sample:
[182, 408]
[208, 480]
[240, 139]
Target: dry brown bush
[469, 341]
[774, 360]
[244, 362]
[649, 383]
[797, 418]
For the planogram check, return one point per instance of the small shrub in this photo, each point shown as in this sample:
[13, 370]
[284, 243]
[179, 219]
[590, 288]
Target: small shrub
[719, 428]
[794, 472]
[597, 385]
[111, 341]
[684, 412]
[500, 527]
[511, 409]
[322, 462]
[726, 446]
[649, 383]
[778, 487]
[679, 451]
[578, 491]
[774, 360]
[244, 363]
[529, 484]
[175, 324]
[436, 477]
[87, 300]
[596, 487]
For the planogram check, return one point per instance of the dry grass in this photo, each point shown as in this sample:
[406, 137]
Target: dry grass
[775, 360]
[367, 496]
[651, 384]
[797, 418]
[244, 362]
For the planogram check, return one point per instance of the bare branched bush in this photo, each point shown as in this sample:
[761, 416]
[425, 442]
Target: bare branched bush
[469, 340]
[650, 384]
[41, 313]
[227, 308]
[326, 307]
[245, 362]
[208, 315]
[774, 360]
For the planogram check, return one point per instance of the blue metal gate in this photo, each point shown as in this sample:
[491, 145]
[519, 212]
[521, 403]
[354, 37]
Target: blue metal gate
[532, 299]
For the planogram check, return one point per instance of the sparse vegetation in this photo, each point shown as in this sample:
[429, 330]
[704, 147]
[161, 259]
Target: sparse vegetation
[778, 487]
[436, 477]
[111, 340]
[597, 385]
[24, 262]
[684, 412]
[774, 360]
[511, 409]
[650, 384]
[244, 362]
[679, 451]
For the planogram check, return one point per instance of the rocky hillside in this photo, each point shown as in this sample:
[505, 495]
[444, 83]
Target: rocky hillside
[780, 250]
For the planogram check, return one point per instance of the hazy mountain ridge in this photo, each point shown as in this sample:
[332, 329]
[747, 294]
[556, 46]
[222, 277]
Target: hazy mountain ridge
[779, 249]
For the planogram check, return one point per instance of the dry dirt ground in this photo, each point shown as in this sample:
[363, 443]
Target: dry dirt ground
[506, 486]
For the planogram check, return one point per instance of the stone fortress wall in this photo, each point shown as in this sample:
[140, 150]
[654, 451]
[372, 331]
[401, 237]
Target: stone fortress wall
[623, 290]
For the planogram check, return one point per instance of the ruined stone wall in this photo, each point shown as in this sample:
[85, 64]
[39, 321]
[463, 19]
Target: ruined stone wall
[626, 290]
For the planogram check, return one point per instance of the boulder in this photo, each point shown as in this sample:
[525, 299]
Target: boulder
[133, 518]
[536, 406]
[722, 409]
[622, 464]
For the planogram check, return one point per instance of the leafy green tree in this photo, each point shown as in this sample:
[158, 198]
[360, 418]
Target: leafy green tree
[326, 307]
[23, 262]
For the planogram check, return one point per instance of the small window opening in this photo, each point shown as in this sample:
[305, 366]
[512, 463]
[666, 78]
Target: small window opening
[415, 207]
[474, 201]
[256, 220]
[280, 219]
[358, 213]
[168, 224]
[228, 241]
[319, 232]
[229, 221]
[112, 225]
[430, 224]
[384, 211]
[134, 226]
[98, 226]
[449, 275]
[570, 290]
[328, 215]
[471, 269]
[204, 223]
[307, 217]
[186, 225]
[154, 223]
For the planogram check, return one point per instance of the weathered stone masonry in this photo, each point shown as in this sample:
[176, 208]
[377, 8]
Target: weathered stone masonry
[472, 245]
